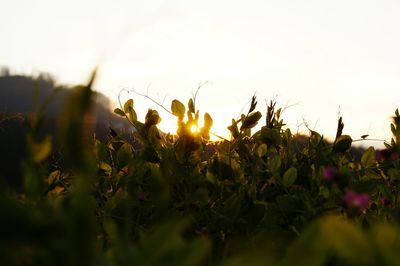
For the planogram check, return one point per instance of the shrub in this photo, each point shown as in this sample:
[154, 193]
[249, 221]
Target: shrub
[261, 198]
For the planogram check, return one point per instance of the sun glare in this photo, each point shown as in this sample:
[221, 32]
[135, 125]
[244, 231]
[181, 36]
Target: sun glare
[219, 128]
[168, 126]
[194, 129]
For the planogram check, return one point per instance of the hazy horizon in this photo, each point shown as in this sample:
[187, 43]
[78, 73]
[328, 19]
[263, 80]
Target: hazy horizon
[320, 57]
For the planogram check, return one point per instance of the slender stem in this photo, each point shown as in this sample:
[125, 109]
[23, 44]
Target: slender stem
[220, 137]
[356, 140]
[154, 101]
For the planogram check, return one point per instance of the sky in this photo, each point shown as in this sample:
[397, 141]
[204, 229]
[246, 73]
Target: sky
[318, 58]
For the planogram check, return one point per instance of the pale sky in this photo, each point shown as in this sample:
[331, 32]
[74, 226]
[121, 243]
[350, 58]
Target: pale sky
[315, 55]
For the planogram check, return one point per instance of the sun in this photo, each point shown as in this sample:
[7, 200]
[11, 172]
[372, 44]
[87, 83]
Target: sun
[194, 129]
[218, 129]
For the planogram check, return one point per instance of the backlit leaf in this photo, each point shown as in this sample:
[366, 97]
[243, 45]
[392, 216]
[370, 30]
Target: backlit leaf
[119, 112]
[128, 105]
[251, 120]
[262, 150]
[178, 109]
[208, 121]
[132, 115]
[124, 154]
[57, 190]
[152, 117]
[290, 176]
[191, 106]
[275, 164]
[342, 144]
[368, 159]
[105, 167]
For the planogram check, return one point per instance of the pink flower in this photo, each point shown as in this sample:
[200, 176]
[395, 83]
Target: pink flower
[357, 201]
[329, 173]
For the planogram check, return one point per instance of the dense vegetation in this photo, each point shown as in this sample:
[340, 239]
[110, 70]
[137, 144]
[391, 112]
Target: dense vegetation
[22, 97]
[256, 199]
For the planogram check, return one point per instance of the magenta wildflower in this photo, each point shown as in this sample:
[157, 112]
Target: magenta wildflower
[355, 200]
[329, 173]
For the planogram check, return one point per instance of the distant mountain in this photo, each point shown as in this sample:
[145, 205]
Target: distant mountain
[22, 96]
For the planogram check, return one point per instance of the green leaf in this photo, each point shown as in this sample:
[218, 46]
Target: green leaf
[53, 177]
[275, 164]
[178, 109]
[270, 136]
[124, 154]
[105, 167]
[152, 117]
[324, 192]
[342, 144]
[119, 112]
[290, 176]
[132, 115]
[233, 128]
[368, 159]
[211, 178]
[191, 106]
[100, 150]
[208, 121]
[128, 105]
[251, 120]
[262, 150]
[393, 129]
[189, 116]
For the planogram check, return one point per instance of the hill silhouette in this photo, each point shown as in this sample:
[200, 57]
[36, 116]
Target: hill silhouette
[23, 96]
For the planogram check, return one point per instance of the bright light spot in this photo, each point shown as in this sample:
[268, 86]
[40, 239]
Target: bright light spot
[194, 129]
[168, 126]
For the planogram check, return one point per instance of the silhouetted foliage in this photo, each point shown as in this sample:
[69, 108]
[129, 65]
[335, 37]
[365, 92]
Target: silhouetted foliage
[259, 198]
